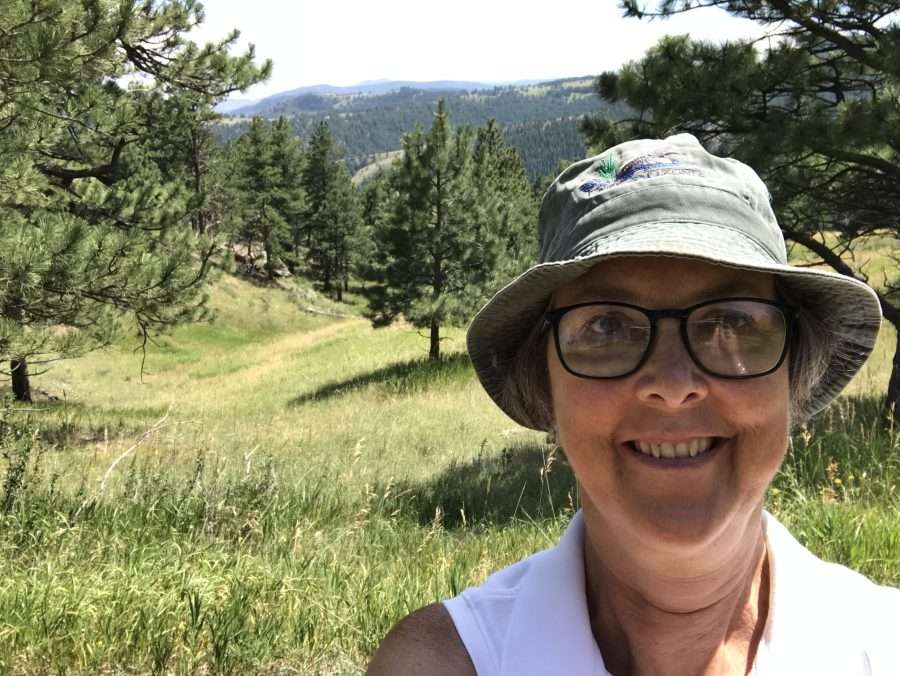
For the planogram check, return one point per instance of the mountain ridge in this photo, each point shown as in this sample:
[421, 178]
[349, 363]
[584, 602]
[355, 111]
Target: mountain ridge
[541, 120]
[253, 106]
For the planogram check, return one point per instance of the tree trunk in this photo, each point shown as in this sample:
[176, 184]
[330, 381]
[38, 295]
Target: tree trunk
[892, 399]
[197, 167]
[892, 403]
[343, 270]
[434, 354]
[437, 274]
[270, 259]
[326, 271]
[21, 385]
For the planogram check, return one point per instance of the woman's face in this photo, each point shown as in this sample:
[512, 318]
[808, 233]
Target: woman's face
[739, 427]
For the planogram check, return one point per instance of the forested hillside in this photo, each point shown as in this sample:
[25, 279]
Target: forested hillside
[541, 121]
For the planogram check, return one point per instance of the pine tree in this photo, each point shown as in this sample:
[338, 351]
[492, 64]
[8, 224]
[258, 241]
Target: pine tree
[340, 219]
[289, 202]
[333, 215]
[507, 206]
[257, 176]
[446, 231]
[319, 176]
[96, 220]
[266, 198]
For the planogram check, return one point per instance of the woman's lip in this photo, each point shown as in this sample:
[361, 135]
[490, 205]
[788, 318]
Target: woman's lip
[691, 461]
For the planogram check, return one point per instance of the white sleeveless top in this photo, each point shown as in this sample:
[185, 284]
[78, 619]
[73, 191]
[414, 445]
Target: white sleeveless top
[531, 619]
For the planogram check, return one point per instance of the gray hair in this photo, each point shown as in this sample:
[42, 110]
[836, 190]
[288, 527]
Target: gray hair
[526, 386]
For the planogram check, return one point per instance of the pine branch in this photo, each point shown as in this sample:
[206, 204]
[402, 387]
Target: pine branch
[105, 173]
[854, 50]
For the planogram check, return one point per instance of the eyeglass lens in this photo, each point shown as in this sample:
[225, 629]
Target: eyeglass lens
[730, 338]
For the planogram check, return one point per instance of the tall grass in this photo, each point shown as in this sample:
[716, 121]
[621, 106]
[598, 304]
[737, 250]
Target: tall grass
[282, 487]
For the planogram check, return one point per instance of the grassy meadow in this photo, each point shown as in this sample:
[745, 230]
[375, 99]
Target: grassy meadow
[279, 487]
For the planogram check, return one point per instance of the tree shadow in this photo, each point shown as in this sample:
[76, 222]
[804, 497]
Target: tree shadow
[530, 481]
[401, 378]
[65, 423]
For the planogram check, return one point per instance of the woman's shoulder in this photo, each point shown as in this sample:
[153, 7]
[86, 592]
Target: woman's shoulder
[424, 642]
[814, 598]
[449, 639]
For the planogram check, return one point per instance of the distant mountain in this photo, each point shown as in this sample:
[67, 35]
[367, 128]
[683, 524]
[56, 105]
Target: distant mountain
[231, 105]
[540, 119]
[368, 87]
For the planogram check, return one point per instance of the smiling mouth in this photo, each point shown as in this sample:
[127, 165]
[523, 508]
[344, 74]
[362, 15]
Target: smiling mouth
[681, 449]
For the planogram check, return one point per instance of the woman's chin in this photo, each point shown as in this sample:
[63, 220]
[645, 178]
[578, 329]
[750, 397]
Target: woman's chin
[679, 526]
[684, 525]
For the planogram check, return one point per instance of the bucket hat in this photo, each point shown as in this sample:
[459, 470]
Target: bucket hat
[665, 197]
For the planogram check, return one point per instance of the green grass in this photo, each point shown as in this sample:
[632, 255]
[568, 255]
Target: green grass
[871, 257]
[282, 486]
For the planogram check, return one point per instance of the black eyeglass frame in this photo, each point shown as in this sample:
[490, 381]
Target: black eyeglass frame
[554, 316]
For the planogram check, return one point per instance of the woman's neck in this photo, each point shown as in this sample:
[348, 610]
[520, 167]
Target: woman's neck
[663, 613]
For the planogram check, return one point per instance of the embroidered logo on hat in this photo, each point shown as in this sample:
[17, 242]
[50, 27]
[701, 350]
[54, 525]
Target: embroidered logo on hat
[645, 166]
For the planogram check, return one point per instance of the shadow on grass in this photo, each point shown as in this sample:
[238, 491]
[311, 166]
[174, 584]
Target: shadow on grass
[524, 481]
[65, 424]
[401, 378]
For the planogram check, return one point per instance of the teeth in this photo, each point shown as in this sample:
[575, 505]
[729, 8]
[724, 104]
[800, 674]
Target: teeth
[682, 449]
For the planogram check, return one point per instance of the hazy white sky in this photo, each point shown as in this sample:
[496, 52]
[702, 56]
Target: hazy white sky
[342, 43]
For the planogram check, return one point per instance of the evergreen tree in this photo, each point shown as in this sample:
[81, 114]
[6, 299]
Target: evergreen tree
[816, 113]
[289, 199]
[185, 152]
[257, 182]
[333, 214]
[95, 220]
[267, 198]
[507, 208]
[438, 246]
[340, 219]
[319, 176]
[374, 197]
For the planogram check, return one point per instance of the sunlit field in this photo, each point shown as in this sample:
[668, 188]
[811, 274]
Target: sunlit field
[279, 487]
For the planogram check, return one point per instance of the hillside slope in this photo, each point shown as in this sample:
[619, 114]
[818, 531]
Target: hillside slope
[540, 120]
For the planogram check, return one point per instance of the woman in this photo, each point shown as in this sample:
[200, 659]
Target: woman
[667, 343]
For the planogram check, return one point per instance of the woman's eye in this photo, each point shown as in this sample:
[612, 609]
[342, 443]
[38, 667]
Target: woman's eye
[735, 320]
[607, 326]
[731, 321]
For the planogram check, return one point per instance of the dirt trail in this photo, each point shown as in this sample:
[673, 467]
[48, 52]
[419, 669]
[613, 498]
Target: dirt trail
[270, 356]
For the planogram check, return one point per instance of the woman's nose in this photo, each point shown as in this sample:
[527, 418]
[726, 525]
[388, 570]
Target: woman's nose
[669, 377]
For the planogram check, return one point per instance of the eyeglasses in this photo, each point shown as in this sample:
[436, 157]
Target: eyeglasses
[727, 338]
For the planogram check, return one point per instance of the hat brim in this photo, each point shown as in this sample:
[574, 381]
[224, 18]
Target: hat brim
[847, 307]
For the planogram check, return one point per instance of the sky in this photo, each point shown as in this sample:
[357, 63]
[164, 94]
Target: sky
[343, 43]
